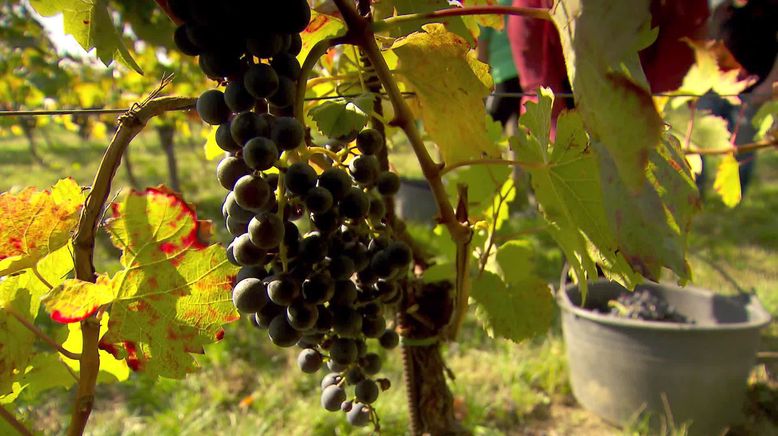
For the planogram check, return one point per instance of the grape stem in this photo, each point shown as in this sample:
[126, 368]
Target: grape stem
[465, 163]
[317, 51]
[41, 334]
[388, 23]
[744, 148]
[130, 125]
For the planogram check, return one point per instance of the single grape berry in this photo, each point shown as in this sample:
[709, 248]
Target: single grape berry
[230, 252]
[365, 169]
[299, 178]
[366, 391]
[370, 363]
[287, 132]
[332, 397]
[370, 141]
[249, 295]
[246, 253]
[248, 125]
[359, 415]
[265, 45]
[251, 192]
[212, 108]
[346, 406]
[342, 267]
[267, 314]
[302, 315]
[260, 153]
[234, 210]
[295, 44]
[235, 227]
[309, 361]
[345, 294]
[318, 288]
[266, 230]
[318, 200]
[327, 222]
[216, 64]
[250, 272]
[286, 65]
[388, 183]
[285, 92]
[335, 180]
[354, 375]
[355, 204]
[343, 351]
[373, 326]
[281, 333]
[399, 253]
[229, 170]
[389, 340]
[237, 96]
[313, 248]
[330, 379]
[283, 291]
[377, 209]
[347, 322]
[184, 44]
[224, 138]
[261, 81]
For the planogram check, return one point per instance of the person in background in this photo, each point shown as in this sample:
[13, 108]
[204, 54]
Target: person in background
[537, 48]
[495, 50]
[749, 30]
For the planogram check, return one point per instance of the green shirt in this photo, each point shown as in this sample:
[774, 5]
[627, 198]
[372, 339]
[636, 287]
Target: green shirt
[500, 56]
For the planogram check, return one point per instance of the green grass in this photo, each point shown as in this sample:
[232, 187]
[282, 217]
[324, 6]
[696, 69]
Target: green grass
[246, 386]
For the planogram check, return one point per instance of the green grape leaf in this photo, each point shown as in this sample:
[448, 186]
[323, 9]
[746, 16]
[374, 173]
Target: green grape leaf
[499, 212]
[35, 223]
[565, 178]
[440, 272]
[766, 120]
[517, 310]
[708, 131]
[321, 26]
[173, 295]
[343, 116]
[22, 293]
[90, 24]
[45, 371]
[600, 41]
[450, 86]
[651, 226]
[727, 182]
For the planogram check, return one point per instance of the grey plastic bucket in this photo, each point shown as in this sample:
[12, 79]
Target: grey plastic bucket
[695, 374]
[415, 202]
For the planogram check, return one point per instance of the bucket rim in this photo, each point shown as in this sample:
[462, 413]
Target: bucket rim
[759, 317]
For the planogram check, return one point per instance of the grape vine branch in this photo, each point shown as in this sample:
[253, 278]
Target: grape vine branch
[130, 125]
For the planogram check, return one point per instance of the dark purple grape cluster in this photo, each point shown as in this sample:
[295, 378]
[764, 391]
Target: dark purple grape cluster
[319, 264]
[647, 306]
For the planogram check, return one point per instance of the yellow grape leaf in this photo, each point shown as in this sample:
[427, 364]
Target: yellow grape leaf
[321, 26]
[212, 149]
[450, 86]
[34, 223]
[22, 293]
[173, 295]
[727, 182]
[706, 74]
[111, 368]
[75, 300]
[600, 42]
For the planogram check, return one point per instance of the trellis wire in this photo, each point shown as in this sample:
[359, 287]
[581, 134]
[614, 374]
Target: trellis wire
[33, 113]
